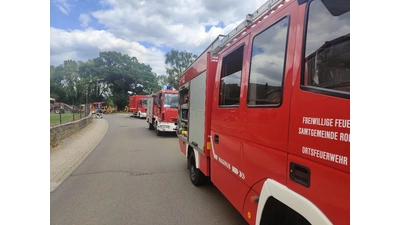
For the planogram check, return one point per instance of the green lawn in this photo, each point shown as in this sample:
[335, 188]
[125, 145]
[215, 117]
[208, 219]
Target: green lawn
[65, 118]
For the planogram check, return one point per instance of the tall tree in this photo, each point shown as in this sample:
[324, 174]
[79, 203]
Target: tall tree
[57, 90]
[162, 80]
[176, 63]
[88, 87]
[71, 78]
[120, 74]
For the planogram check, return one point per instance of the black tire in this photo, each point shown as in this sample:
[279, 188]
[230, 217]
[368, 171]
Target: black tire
[57, 110]
[151, 127]
[196, 176]
[159, 133]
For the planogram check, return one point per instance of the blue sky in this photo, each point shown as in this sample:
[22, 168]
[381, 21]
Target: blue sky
[146, 29]
[65, 14]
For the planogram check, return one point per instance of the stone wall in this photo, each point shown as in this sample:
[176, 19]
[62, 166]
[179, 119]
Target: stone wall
[59, 132]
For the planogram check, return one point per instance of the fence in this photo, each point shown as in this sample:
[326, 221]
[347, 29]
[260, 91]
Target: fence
[61, 113]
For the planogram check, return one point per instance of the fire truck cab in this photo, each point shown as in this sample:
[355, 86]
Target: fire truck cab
[264, 114]
[162, 111]
[138, 105]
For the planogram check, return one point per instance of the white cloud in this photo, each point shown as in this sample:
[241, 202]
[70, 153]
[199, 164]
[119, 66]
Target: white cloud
[83, 45]
[85, 20]
[63, 6]
[178, 24]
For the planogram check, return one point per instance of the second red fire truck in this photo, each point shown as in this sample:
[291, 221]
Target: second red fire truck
[138, 105]
[162, 111]
[264, 114]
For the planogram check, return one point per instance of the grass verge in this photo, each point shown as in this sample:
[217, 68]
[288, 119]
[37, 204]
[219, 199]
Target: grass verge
[56, 119]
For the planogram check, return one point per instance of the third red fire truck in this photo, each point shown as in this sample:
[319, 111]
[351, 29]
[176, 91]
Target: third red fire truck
[264, 114]
[162, 111]
[138, 105]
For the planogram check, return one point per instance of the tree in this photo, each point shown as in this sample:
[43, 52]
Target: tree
[120, 74]
[71, 80]
[56, 83]
[66, 83]
[88, 85]
[109, 77]
[162, 80]
[176, 63]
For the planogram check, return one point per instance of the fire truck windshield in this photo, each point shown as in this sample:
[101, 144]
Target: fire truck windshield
[171, 100]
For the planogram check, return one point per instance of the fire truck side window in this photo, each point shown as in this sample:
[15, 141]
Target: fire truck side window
[231, 74]
[160, 100]
[267, 65]
[327, 51]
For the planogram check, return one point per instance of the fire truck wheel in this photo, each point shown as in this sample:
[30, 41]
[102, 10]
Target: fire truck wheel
[196, 176]
[159, 133]
[151, 127]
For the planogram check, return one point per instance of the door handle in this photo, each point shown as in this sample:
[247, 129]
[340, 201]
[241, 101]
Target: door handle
[300, 174]
[216, 138]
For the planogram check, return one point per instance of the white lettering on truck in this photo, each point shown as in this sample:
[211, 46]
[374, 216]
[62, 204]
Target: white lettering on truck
[339, 159]
[326, 134]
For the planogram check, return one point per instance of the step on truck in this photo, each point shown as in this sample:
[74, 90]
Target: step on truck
[162, 111]
[264, 114]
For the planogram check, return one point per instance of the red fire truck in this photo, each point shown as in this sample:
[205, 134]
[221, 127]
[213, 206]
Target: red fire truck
[162, 111]
[138, 105]
[264, 114]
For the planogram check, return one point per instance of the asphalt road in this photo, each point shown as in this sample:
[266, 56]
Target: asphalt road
[136, 177]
